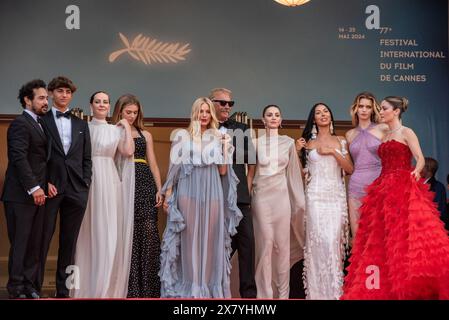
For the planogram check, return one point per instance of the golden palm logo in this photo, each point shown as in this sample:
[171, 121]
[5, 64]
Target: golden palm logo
[150, 51]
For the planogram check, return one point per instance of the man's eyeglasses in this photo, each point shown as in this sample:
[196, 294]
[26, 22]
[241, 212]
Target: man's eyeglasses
[223, 103]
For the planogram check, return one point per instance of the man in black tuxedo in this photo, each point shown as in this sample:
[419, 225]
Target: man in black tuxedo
[24, 190]
[244, 153]
[69, 177]
[428, 173]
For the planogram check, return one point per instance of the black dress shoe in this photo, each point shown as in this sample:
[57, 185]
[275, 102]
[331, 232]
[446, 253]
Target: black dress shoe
[44, 295]
[62, 296]
[33, 295]
[17, 296]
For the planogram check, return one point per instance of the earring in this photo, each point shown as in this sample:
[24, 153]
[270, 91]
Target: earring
[280, 125]
[331, 128]
[314, 132]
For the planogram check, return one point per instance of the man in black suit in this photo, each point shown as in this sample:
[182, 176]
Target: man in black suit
[244, 153]
[428, 173]
[24, 190]
[69, 177]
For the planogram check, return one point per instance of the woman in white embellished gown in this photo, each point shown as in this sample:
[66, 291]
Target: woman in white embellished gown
[324, 159]
[278, 208]
[100, 245]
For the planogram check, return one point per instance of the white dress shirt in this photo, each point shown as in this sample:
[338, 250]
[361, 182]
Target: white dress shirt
[64, 126]
[34, 116]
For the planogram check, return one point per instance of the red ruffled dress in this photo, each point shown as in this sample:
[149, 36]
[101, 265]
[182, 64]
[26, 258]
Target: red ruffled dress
[401, 250]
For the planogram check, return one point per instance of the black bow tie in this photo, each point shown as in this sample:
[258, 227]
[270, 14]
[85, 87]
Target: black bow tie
[60, 114]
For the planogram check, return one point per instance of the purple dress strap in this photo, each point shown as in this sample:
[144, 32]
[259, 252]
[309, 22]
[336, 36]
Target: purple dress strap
[367, 164]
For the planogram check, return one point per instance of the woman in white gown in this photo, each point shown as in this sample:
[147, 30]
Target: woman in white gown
[278, 208]
[324, 159]
[98, 250]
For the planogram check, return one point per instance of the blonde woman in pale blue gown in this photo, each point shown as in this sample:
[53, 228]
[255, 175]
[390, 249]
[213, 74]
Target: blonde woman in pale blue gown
[201, 201]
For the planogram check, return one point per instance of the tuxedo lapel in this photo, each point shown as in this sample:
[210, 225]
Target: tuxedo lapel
[35, 125]
[76, 132]
[231, 124]
[53, 130]
[432, 183]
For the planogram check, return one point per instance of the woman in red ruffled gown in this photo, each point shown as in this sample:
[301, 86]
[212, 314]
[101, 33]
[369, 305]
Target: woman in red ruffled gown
[401, 250]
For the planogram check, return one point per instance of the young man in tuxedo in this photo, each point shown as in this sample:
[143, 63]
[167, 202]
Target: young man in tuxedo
[69, 177]
[428, 173]
[243, 240]
[24, 190]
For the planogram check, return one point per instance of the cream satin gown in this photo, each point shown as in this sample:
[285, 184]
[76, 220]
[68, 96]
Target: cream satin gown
[278, 212]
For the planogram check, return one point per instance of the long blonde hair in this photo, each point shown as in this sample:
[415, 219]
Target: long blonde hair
[194, 127]
[375, 115]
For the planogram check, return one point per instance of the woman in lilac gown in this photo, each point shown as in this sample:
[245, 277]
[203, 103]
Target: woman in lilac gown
[364, 140]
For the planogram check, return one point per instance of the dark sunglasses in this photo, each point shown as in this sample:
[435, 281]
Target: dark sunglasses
[223, 103]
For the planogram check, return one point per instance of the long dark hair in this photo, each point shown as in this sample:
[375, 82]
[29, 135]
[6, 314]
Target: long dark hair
[307, 133]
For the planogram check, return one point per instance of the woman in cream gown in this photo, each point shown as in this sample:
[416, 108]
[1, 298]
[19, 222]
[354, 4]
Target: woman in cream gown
[102, 241]
[327, 226]
[277, 207]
